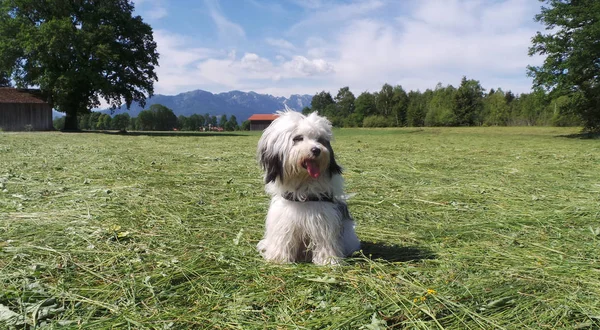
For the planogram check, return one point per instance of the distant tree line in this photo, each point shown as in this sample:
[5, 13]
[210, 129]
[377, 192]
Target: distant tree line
[156, 118]
[467, 105]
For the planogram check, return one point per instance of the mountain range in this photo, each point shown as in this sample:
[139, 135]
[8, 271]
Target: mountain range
[240, 104]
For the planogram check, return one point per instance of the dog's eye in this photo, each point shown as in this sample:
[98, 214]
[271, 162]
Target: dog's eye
[298, 138]
[322, 141]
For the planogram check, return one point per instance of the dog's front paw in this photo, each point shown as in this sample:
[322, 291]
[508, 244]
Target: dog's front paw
[273, 254]
[326, 260]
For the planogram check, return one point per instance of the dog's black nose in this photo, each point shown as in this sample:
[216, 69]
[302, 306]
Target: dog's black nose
[315, 151]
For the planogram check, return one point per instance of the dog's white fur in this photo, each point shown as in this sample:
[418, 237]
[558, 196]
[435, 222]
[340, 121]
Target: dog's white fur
[300, 228]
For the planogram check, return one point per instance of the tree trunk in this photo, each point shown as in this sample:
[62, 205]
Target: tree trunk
[71, 120]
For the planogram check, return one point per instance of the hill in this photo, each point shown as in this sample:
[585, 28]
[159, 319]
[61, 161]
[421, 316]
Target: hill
[240, 104]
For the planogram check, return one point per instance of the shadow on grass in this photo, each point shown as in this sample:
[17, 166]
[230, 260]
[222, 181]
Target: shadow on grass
[158, 133]
[581, 136]
[395, 253]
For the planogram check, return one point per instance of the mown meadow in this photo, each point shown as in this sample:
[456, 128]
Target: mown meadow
[462, 228]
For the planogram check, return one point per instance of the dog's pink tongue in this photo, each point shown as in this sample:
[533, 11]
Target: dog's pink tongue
[313, 168]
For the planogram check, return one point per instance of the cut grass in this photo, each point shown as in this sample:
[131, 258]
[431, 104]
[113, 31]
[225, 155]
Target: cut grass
[463, 228]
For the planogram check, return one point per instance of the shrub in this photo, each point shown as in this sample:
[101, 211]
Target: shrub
[375, 121]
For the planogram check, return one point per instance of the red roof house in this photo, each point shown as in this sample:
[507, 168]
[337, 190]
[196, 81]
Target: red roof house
[24, 109]
[260, 121]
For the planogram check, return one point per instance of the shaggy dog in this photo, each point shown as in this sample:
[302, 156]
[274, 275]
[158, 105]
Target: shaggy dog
[308, 219]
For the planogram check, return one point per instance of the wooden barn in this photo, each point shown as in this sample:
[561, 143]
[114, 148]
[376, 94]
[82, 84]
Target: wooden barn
[259, 122]
[24, 109]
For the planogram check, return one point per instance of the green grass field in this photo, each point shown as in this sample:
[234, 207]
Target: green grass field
[462, 228]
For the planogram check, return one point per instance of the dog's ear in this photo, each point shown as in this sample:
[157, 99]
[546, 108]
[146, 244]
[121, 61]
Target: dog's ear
[273, 166]
[334, 168]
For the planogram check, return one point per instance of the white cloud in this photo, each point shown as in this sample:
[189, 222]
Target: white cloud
[432, 41]
[439, 41]
[334, 14]
[234, 73]
[302, 66]
[176, 57]
[227, 28]
[280, 43]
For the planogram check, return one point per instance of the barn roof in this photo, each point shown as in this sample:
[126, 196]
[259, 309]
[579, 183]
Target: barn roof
[18, 95]
[262, 116]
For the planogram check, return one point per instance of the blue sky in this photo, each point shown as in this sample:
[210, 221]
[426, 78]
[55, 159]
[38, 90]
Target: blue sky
[289, 47]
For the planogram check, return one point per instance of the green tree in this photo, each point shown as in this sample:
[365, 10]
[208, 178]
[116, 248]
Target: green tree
[563, 111]
[416, 109]
[183, 123]
[196, 121]
[344, 101]
[375, 121]
[4, 79]
[213, 120]
[223, 121]
[232, 124]
[120, 121]
[245, 125]
[94, 118]
[132, 124]
[306, 111]
[572, 50]
[320, 101]
[145, 120]
[84, 121]
[440, 107]
[164, 118]
[468, 102]
[384, 100]
[496, 109]
[78, 52]
[58, 123]
[399, 105]
[364, 106]
[104, 121]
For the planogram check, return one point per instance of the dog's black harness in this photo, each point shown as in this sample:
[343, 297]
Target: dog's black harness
[310, 198]
[341, 206]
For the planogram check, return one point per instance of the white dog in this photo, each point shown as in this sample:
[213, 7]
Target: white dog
[308, 218]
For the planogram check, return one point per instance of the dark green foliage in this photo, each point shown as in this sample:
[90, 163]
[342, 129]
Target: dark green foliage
[212, 121]
[344, 101]
[104, 122]
[320, 101]
[440, 107]
[157, 118]
[467, 103]
[78, 52]
[231, 124]
[4, 79]
[365, 106]
[120, 121]
[223, 121]
[58, 123]
[384, 100]
[399, 105]
[572, 50]
[196, 121]
[496, 108]
[245, 125]
[416, 109]
[306, 110]
[94, 117]
[375, 121]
